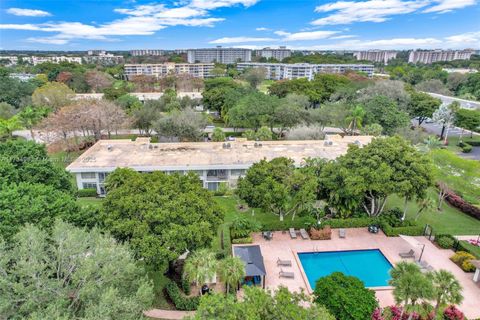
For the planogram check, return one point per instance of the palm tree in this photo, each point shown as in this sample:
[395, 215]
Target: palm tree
[446, 289]
[355, 119]
[423, 205]
[231, 270]
[410, 284]
[200, 267]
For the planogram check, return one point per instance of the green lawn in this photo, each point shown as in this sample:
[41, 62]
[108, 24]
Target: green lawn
[90, 201]
[473, 249]
[449, 220]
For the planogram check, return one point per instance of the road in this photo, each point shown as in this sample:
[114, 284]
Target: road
[466, 104]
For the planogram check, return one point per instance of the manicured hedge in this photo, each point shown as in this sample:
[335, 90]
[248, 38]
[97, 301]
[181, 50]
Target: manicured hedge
[181, 301]
[407, 231]
[87, 193]
[445, 241]
[472, 142]
[242, 240]
[458, 202]
[350, 223]
[298, 223]
[467, 148]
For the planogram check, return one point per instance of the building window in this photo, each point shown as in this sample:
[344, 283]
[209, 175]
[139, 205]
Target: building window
[238, 172]
[213, 186]
[102, 176]
[88, 175]
[89, 185]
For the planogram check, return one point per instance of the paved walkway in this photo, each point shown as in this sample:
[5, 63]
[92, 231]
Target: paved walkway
[168, 314]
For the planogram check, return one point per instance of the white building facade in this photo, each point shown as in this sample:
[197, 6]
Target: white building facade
[215, 163]
[279, 54]
[219, 55]
[431, 56]
[147, 52]
[381, 56]
[197, 70]
[280, 71]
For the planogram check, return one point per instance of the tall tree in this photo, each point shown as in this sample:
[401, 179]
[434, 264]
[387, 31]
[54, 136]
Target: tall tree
[355, 119]
[410, 285]
[185, 125]
[422, 106]
[231, 270]
[161, 215]
[52, 94]
[98, 80]
[254, 76]
[71, 273]
[467, 119]
[446, 289]
[200, 267]
[385, 112]
[277, 187]
[446, 115]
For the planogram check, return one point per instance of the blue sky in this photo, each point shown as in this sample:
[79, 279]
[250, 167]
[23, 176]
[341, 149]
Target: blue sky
[298, 24]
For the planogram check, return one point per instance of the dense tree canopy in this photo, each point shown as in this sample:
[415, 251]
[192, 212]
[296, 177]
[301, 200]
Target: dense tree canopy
[161, 215]
[385, 112]
[277, 187]
[366, 176]
[70, 273]
[258, 304]
[52, 94]
[253, 111]
[345, 297]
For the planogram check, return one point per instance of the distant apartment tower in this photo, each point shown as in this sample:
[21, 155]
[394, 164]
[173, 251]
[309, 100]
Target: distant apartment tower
[54, 59]
[147, 52]
[431, 56]
[281, 71]
[160, 70]
[102, 57]
[96, 52]
[376, 55]
[279, 54]
[219, 54]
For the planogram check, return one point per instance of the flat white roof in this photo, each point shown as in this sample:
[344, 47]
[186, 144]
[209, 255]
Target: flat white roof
[141, 155]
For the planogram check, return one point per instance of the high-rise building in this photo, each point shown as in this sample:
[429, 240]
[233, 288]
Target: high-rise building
[197, 70]
[279, 54]
[280, 71]
[219, 54]
[431, 56]
[375, 55]
[147, 52]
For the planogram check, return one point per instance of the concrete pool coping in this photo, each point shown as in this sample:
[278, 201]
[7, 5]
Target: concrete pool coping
[305, 278]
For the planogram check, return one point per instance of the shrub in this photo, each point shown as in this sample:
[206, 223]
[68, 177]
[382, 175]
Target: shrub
[472, 142]
[462, 259]
[345, 297]
[242, 240]
[458, 202]
[445, 242]
[452, 313]
[407, 230]
[350, 223]
[186, 286]
[242, 228]
[467, 148]
[180, 301]
[82, 193]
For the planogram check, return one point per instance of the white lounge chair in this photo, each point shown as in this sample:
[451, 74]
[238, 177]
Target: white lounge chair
[285, 274]
[293, 233]
[304, 234]
[285, 263]
[406, 255]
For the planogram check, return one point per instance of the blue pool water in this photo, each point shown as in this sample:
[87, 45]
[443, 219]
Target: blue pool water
[370, 266]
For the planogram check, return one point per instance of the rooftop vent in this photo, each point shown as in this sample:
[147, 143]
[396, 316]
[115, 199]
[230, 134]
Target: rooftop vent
[358, 143]
[257, 145]
[226, 145]
[328, 143]
[109, 147]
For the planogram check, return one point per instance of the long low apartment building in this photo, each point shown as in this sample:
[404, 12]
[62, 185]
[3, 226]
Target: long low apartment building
[215, 163]
[281, 71]
[431, 56]
[160, 70]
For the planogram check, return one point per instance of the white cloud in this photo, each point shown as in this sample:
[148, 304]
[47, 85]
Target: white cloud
[345, 12]
[309, 35]
[139, 20]
[263, 29]
[343, 37]
[465, 39]
[28, 12]
[443, 6]
[240, 40]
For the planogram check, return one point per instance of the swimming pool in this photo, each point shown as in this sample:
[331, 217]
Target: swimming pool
[370, 266]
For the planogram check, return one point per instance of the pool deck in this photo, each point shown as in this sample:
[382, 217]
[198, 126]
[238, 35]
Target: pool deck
[285, 248]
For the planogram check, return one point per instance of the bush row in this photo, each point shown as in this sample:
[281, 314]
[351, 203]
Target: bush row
[351, 222]
[445, 241]
[463, 260]
[396, 231]
[458, 202]
[472, 142]
[242, 240]
[181, 301]
[87, 193]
